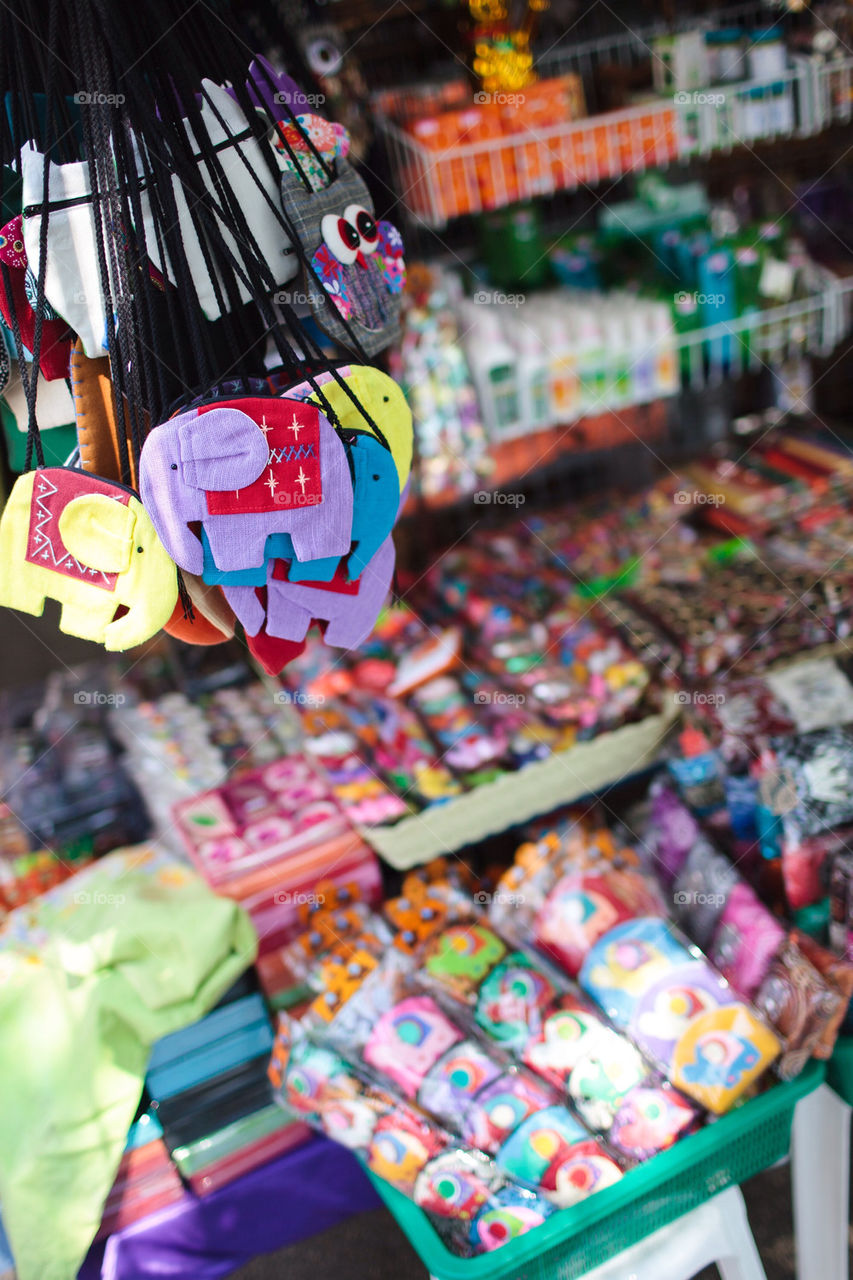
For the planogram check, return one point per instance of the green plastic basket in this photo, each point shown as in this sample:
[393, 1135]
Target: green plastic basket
[573, 1241]
[839, 1069]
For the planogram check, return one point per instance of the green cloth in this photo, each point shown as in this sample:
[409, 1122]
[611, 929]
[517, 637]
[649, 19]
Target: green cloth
[91, 975]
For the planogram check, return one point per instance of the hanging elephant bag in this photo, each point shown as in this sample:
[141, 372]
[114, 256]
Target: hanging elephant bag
[89, 544]
[350, 608]
[240, 471]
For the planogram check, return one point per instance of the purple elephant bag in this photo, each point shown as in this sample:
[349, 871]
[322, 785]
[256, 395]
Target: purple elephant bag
[350, 608]
[245, 469]
[242, 470]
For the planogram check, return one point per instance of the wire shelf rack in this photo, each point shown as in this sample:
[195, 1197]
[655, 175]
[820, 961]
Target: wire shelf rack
[627, 47]
[480, 174]
[813, 326]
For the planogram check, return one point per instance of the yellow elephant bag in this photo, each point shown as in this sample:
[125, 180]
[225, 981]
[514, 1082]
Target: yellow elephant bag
[88, 543]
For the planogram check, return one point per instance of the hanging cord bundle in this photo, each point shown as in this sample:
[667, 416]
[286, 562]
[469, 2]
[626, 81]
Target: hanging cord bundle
[169, 184]
[130, 94]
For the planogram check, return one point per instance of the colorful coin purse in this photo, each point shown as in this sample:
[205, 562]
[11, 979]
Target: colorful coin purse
[280, 500]
[356, 260]
[88, 543]
[472, 1204]
[376, 499]
[679, 1011]
[246, 469]
[560, 1036]
[584, 905]
[552, 1149]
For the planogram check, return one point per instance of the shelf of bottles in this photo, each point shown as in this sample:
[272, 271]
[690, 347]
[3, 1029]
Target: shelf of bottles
[518, 388]
[812, 326]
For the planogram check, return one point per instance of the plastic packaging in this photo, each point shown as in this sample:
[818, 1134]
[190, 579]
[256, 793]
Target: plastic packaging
[473, 1206]
[548, 1025]
[375, 1015]
[659, 988]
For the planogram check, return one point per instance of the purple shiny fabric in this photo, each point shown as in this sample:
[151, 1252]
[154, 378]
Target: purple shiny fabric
[306, 1191]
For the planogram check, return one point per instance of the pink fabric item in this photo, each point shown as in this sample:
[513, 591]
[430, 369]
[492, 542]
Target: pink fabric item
[747, 939]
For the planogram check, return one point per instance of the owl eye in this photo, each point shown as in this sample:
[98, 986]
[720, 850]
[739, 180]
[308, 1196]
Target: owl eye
[323, 56]
[365, 224]
[341, 238]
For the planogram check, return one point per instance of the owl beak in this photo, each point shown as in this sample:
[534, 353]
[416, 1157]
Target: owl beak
[361, 260]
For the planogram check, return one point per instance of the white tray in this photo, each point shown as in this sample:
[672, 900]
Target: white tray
[517, 797]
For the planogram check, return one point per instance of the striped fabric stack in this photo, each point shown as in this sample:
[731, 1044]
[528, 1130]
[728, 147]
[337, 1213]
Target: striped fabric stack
[212, 1096]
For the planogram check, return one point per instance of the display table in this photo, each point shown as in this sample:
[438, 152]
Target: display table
[314, 1187]
[305, 1191]
[576, 1240]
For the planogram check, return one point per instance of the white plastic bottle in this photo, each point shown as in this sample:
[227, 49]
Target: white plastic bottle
[564, 387]
[642, 353]
[494, 371]
[533, 373]
[591, 356]
[616, 356]
[667, 380]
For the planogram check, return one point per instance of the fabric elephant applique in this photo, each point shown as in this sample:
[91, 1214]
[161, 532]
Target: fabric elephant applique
[246, 469]
[357, 260]
[88, 543]
[349, 608]
[376, 499]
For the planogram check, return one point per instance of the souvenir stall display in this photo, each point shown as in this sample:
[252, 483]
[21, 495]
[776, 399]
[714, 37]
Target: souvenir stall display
[457, 816]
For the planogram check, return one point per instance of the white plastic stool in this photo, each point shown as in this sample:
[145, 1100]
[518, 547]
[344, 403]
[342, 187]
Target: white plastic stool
[718, 1231]
[820, 1184]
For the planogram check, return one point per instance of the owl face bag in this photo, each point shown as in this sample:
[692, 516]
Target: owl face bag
[355, 271]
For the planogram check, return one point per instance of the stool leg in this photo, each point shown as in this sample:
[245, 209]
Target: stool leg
[740, 1259]
[820, 1176]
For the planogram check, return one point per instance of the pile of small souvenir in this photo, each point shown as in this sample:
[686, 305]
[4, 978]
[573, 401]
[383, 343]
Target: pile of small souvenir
[498, 1054]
